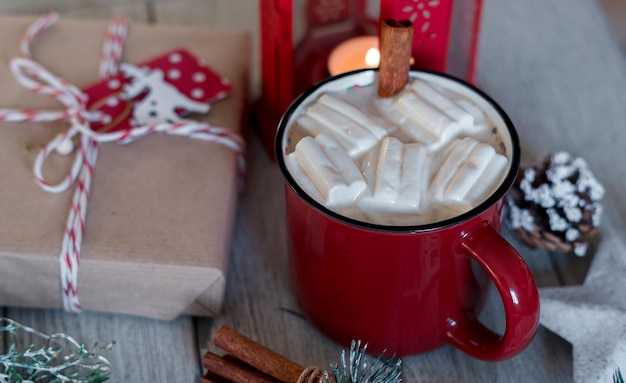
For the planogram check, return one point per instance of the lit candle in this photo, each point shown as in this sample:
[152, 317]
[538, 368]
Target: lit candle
[357, 53]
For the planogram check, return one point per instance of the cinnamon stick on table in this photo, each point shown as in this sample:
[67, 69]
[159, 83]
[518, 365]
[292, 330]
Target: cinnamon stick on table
[396, 41]
[258, 356]
[226, 367]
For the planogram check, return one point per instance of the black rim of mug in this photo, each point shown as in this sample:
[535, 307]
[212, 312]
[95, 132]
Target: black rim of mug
[493, 199]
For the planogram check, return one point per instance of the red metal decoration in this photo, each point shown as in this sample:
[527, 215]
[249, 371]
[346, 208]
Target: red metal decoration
[297, 37]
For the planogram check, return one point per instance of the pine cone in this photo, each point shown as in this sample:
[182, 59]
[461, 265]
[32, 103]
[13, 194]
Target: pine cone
[555, 204]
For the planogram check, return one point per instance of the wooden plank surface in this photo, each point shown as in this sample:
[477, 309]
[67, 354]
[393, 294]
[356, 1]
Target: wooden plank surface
[145, 350]
[552, 65]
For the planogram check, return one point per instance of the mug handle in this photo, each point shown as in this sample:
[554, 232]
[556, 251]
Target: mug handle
[518, 291]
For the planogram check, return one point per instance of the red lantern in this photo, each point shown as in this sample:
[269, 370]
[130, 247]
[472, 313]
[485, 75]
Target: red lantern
[297, 36]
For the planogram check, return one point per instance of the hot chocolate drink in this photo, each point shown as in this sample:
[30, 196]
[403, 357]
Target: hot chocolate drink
[381, 244]
[425, 155]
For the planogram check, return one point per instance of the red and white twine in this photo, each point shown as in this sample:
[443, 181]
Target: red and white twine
[35, 77]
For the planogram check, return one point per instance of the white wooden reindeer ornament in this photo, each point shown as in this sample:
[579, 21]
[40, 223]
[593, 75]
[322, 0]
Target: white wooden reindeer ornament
[161, 101]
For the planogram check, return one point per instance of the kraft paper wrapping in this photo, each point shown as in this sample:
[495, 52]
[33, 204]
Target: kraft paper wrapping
[161, 209]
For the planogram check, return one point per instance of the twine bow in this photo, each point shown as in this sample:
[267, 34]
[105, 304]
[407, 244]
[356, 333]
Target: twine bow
[35, 77]
[311, 374]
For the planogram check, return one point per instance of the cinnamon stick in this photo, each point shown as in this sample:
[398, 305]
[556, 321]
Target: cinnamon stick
[257, 355]
[209, 379]
[396, 41]
[229, 369]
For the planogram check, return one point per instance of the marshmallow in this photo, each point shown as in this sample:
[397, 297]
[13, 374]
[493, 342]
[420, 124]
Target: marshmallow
[481, 125]
[354, 137]
[443, 103]
[424, 122]
[456, 156]
[354, 114]
[309, 125]
[401, 177]
[468, 172]
[489, 181]
[368, 164]
[471, 108]
[329, 168]
[300, 176]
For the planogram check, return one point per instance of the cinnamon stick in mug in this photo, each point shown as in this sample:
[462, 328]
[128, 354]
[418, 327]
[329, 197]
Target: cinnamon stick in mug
[396, 41]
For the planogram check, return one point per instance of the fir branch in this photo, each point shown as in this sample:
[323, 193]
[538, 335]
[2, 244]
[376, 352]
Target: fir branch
[356, 369]
[50, 359]
[617, 376]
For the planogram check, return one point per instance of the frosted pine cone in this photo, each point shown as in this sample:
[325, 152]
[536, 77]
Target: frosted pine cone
[555, 204]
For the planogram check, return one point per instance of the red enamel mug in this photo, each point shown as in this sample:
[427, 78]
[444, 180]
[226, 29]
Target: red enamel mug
[409, 289]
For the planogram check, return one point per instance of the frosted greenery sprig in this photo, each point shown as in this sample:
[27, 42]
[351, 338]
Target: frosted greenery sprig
[355, 368]
[617, 376]
[48, 359]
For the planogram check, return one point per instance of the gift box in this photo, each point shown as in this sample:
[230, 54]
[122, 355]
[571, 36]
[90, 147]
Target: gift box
[161, 209]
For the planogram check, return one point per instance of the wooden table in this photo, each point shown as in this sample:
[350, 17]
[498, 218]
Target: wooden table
[552, 65]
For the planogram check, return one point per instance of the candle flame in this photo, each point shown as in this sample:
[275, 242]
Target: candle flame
[372, 57]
